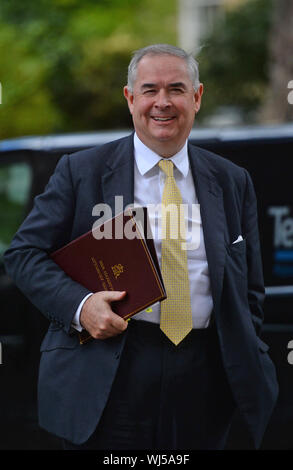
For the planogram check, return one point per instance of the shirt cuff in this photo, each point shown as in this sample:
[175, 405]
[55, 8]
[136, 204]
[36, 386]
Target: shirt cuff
[75, 321]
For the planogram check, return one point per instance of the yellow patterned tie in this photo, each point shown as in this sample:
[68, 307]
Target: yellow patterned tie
[176, 316]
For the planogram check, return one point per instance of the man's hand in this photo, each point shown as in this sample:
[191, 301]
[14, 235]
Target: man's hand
[97, 317]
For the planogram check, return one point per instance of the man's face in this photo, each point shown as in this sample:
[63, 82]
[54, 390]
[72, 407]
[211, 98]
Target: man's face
[163, 103]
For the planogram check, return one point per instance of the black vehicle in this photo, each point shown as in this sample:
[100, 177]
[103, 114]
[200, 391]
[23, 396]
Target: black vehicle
[25, 167]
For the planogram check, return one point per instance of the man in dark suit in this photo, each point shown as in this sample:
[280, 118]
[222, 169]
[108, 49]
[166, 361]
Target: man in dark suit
[134, 386]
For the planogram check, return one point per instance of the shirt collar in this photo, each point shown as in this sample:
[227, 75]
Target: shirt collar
[146, 159]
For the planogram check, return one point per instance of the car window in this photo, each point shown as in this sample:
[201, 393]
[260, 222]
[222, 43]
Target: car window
[15, 183]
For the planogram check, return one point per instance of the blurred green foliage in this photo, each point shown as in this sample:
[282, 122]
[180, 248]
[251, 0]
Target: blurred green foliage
[234, 59]
[64, 62]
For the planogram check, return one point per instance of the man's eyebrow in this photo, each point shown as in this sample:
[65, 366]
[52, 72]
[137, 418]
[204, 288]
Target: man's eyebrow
[177, 85]
[148, 85]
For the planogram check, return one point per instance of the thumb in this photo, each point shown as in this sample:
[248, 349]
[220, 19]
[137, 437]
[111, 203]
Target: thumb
[112, 296]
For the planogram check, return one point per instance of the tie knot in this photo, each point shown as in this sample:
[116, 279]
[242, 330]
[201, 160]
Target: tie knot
[166, 166]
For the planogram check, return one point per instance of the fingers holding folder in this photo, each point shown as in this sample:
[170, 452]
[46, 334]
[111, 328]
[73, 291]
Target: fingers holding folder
[98, 318]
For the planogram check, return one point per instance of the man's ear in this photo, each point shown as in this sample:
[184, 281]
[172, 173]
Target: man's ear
[129, 96]
[197, 98]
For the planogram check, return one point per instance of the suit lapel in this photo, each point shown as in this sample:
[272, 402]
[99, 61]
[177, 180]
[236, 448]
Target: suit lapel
[118, 179]
[210, 197]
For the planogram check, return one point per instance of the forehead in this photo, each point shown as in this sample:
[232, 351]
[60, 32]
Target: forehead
[162, 68]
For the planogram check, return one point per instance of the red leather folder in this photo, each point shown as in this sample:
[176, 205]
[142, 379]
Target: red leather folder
[126, 261]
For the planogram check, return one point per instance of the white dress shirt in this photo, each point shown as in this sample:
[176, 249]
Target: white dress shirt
[149, 182]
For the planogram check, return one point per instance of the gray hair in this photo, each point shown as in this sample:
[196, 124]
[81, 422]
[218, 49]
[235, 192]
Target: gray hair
[162, 49]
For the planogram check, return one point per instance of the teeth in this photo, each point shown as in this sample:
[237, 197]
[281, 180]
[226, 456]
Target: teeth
[162, 119]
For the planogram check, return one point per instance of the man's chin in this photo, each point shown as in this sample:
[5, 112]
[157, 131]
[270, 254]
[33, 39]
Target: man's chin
[162, 142]
[163, 137]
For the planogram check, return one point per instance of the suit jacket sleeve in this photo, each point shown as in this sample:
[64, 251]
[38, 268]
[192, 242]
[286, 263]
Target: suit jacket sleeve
[256, 291]
[47, 228]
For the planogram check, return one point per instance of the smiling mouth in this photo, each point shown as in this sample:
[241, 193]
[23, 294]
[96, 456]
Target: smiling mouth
[162, 119]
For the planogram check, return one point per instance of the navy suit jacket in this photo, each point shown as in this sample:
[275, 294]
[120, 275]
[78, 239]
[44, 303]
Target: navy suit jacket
[75, 380]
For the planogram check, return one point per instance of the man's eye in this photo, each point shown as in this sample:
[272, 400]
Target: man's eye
[149, 92]
[176, 90]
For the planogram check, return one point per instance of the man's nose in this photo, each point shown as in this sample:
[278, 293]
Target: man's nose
[162, 99]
